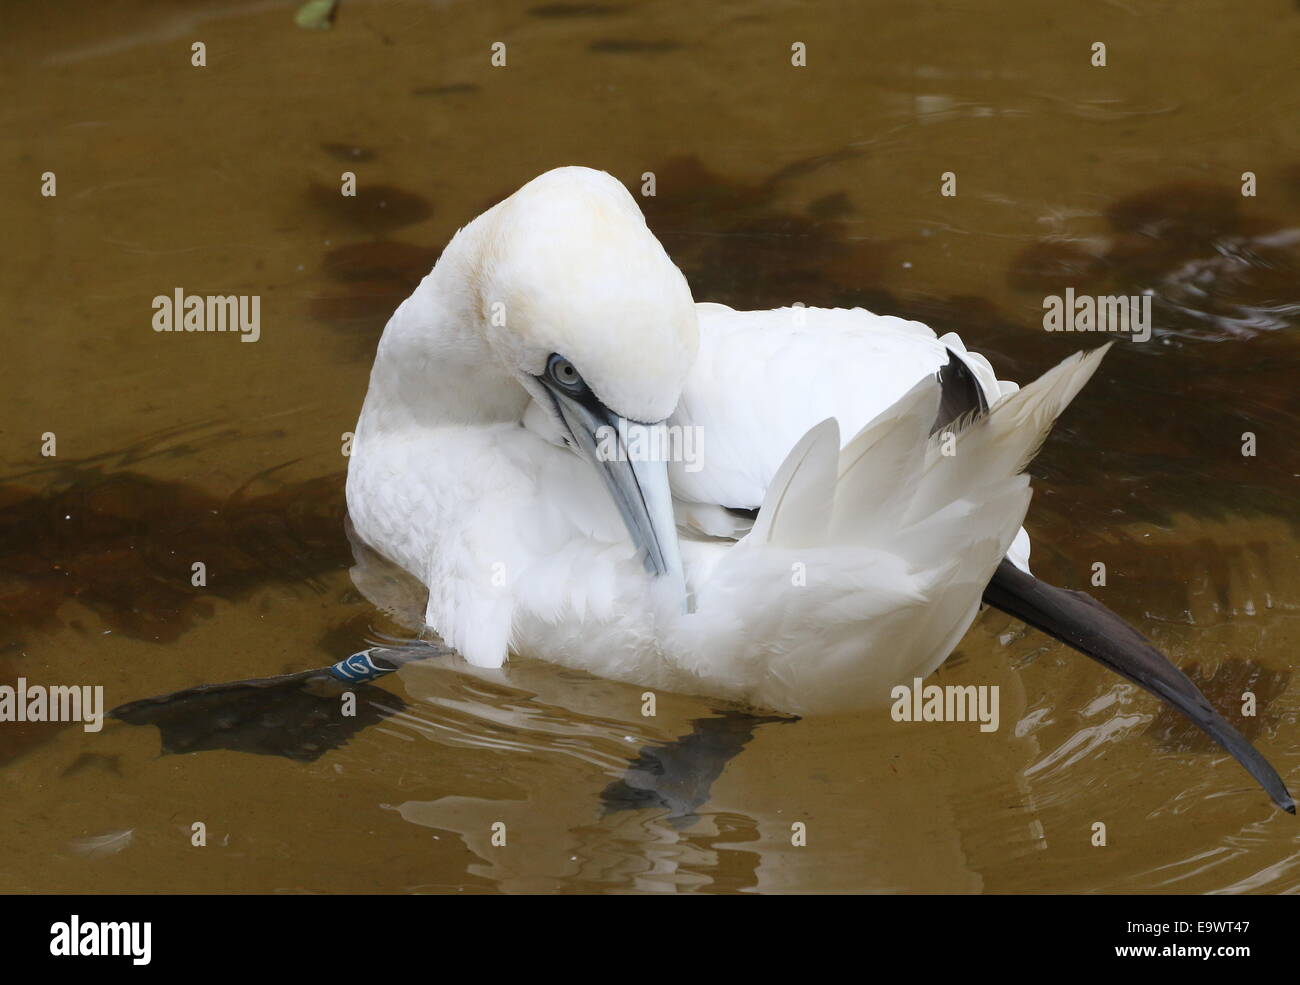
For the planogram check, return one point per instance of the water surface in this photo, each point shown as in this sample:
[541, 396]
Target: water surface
[774, 185]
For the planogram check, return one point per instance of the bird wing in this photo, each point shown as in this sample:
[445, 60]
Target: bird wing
[764, 379]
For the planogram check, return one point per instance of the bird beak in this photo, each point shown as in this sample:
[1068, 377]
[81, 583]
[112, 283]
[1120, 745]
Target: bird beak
[638, 483]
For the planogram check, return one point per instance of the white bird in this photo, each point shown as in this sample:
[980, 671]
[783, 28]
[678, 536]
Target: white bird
[523, 447]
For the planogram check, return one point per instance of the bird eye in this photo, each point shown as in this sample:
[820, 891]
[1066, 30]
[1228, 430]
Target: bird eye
[564, 374]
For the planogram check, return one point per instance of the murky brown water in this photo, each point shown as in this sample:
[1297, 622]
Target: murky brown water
[775, 185]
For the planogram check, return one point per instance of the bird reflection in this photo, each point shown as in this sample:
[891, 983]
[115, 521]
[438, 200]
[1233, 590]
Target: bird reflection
[297, 716]
[679, 775]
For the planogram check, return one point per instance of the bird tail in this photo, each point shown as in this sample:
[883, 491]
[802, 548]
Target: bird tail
[946, 509]
[907, 529]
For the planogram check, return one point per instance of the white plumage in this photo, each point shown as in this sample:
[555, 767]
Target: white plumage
[871, 548]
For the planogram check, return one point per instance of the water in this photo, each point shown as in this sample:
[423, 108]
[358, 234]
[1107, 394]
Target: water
[774, 185]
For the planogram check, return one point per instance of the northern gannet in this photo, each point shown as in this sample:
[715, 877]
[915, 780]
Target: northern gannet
[858, 490]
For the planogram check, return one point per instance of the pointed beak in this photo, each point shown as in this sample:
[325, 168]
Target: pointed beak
[621, 451]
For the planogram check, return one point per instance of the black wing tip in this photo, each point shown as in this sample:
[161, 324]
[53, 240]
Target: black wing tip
[1080, 621]
[960, 394]
[1277, 791]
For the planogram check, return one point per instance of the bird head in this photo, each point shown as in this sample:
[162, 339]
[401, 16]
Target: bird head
[579, 301]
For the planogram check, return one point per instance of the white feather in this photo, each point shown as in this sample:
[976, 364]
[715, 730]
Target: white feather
[866, 563]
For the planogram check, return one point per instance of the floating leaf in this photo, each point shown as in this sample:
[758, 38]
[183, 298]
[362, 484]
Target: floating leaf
[316, 15]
